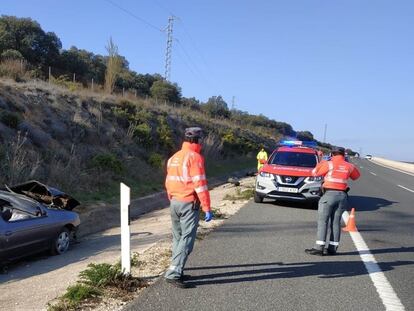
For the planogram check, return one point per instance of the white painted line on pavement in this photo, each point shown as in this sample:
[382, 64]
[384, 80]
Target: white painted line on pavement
[373, 174]
[392, 168]
[384, 289]
[405, 188]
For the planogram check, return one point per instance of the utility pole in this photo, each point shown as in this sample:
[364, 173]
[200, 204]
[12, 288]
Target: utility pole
[168, 50]
[232, 103]
[324, 133]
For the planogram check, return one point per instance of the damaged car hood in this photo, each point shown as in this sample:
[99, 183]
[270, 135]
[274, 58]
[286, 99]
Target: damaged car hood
[47, 195]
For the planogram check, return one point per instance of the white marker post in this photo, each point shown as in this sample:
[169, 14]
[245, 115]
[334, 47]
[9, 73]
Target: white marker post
[125, 231]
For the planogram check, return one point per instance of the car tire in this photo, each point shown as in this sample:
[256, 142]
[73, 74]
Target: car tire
[258, 198]
[61, 242]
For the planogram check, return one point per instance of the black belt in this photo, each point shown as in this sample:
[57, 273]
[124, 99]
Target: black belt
[327, 189]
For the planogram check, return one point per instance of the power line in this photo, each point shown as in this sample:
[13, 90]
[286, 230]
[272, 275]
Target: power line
[162, 7]
[192, 42]
[192, 62]
[187, 65]
[134, 16]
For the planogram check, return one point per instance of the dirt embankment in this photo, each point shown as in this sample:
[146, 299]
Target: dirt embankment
[84, 142]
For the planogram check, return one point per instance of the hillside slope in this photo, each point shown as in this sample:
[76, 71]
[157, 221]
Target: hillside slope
[87, 142]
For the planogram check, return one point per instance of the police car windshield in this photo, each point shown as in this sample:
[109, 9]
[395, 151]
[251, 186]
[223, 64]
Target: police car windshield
[294, 159]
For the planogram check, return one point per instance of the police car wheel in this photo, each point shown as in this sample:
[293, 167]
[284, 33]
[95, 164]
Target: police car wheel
[258, 198]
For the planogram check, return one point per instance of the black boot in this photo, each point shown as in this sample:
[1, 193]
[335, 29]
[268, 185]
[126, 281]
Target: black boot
[314, 251]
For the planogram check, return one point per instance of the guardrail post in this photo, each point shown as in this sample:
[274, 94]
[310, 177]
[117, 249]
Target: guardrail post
[125, 230]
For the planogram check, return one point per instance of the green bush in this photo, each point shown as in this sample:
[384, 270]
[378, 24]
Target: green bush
[79, 292]
[165, 137]
[10, 119]
[142, 133]
[121, 113]
[142, 116]
[156, 160]
[107, 162]
[101, 275]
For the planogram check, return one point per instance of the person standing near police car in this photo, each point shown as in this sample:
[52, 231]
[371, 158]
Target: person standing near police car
[334, 201]
[187, 189]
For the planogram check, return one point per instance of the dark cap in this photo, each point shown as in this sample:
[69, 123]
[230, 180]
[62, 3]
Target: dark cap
[338, 150]
[193, 132]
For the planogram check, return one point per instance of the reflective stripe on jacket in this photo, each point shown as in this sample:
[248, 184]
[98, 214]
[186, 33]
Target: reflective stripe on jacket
[336, 173]
[186, 178]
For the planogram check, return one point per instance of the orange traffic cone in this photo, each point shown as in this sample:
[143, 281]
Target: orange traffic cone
[351, 226]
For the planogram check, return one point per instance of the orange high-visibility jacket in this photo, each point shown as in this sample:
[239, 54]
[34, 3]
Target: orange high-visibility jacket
[186, 178]
[336, 173]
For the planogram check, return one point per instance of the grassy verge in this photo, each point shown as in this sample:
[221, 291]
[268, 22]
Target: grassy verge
[110, 194]
[139, 188]
[224, 167]
[240, 195]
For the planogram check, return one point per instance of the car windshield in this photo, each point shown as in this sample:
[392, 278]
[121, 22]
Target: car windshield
[294, 159]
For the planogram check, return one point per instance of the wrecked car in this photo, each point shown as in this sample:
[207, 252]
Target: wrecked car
[35, 217]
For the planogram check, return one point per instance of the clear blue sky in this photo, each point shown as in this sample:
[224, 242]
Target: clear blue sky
[348, 63]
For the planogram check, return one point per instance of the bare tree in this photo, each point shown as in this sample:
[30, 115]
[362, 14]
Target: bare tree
[113, 66]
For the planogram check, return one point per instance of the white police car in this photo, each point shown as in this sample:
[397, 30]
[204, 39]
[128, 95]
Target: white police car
[287, 175]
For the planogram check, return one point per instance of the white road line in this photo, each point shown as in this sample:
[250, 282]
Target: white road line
[384, 289]
[405, 188]
[373, 174]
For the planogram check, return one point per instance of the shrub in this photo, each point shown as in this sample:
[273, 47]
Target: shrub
[100, 275]
[10, 119]
[66, 82]
[120, 113]
[13, 68]
[164, 132]
[142, 133]
[107, 162]
[79, 292]
[105, 275]
[240, 195]
[156, 160]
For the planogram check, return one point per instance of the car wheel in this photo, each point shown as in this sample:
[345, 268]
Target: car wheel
[258, 198]
[61, 242]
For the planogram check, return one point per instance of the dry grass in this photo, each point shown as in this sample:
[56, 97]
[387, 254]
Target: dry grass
[13, 68]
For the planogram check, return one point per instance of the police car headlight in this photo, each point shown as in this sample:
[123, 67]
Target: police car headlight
[314, 179]
[265, 175]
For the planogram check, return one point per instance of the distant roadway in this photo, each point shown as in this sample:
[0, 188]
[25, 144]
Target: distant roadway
[256, 260]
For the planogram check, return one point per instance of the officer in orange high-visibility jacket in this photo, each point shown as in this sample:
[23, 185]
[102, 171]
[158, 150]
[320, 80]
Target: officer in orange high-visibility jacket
[334, 201]
[186, 186]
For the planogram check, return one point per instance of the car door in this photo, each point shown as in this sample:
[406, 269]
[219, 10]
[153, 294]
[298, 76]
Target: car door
[2, 239]
[26, 236]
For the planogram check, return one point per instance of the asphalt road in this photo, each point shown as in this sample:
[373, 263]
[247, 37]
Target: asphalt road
[256, 260]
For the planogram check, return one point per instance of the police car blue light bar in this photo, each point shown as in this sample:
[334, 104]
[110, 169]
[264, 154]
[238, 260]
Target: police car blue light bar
[292, 143]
